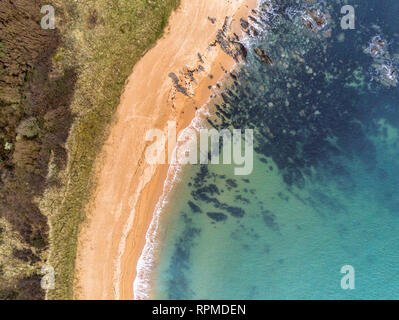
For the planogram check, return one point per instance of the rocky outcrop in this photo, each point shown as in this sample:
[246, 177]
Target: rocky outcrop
[230, 44]
[314, 20]
[263, 56]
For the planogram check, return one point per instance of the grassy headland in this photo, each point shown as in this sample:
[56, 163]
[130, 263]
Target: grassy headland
[93, 49]
[104, 39]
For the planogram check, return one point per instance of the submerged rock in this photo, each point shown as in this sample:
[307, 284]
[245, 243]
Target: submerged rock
[194, 207]
[377, 47]
[217, 216]
[263, 56]
[231, 183]
[236, 211]
[270, 220]
[387, 74]
[314, 20]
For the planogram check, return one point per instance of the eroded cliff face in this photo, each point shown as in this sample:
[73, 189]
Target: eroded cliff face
[34, 125]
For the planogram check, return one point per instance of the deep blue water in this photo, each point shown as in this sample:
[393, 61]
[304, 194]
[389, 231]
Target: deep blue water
[324, 190]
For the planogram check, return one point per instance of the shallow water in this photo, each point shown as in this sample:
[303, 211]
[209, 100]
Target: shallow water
[323, 192]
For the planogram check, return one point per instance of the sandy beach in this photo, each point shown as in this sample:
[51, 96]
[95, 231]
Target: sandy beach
[128, 188]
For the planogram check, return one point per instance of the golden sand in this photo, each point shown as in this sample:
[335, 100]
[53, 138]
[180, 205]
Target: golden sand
[128, 188]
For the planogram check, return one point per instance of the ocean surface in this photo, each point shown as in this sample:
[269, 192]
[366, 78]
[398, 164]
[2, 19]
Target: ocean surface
[323, 193]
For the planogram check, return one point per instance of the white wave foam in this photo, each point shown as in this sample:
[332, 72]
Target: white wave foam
[146, 262]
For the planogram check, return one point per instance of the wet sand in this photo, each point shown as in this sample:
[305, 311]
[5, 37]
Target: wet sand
[128, 188]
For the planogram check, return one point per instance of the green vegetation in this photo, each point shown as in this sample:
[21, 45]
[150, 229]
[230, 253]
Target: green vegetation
[26, 99]
[103, 39]
[12, 267]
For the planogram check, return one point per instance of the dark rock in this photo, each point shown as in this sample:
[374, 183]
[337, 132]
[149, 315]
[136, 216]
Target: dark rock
[269, 219]
[194, 207]
[217, 216]
[236, 212]
[213, 20]
[231, 183]
[244, 23]
[263, 56]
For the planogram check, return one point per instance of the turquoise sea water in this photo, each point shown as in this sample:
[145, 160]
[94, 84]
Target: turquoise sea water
[324, 189]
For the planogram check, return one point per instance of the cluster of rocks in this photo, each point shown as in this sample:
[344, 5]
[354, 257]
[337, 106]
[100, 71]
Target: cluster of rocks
[177, 84]
[377, 47]
[296, 135]
[229, 42]
[183, 83]
[385, 67]
[314, 20]
[206, 191]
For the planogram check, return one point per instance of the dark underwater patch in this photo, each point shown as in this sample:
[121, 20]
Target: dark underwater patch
[302, 118]
[316, 129]
[231, 183]
[194, 207]
[217, 216]
[242, 199]
[179, 284]
[269, 219]
[235, 211]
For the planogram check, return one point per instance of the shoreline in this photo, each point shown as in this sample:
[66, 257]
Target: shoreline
[128, 189]
[145, 263]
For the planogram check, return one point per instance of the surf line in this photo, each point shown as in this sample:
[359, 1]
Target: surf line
[142, 282]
